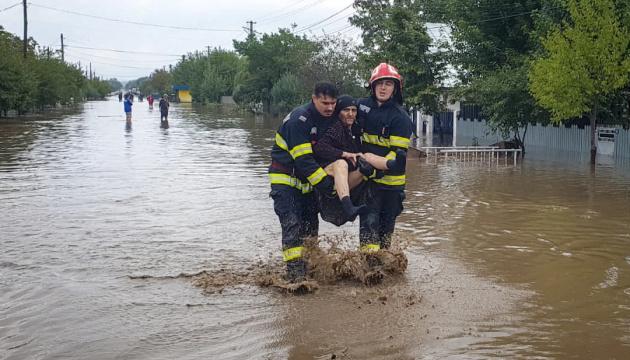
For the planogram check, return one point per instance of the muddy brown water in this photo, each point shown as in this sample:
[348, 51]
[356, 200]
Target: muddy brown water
[102, 228]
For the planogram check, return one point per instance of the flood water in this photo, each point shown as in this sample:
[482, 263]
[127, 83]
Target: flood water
[97, 221]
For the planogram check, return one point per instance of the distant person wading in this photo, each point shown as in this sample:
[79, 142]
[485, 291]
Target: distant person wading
[164, 105]
[128, 104]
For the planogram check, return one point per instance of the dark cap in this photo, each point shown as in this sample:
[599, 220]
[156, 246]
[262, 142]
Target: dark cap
[345, 101]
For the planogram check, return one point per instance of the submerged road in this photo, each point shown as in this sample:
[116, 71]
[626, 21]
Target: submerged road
[98, 220]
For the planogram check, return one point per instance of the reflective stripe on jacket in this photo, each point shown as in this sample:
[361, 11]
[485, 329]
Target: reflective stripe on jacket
[385, 129]
[293, 149]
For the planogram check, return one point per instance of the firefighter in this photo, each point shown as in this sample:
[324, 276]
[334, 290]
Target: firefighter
[294, 174]
[386, 131]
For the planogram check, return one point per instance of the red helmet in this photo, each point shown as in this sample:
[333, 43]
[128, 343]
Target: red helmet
[385, 71]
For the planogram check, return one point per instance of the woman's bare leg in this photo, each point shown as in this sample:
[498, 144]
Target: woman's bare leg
[339, 170]
[354, 179]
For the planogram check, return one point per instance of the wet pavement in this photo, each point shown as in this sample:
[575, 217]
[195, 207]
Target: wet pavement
[100, 221]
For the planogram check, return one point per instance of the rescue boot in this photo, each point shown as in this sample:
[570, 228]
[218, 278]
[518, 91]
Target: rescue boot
[350, 210]
[399, 163]
[296, 271]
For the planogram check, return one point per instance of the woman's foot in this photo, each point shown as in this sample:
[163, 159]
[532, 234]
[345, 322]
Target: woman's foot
[350, 210]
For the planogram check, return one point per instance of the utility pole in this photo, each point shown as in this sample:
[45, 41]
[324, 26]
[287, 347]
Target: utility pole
[208, 47]
[251, 27]
[90, 70]
[25, 29]
[62, 54]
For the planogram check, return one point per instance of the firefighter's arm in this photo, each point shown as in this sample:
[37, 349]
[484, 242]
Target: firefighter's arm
[300, 148]
[400, 135]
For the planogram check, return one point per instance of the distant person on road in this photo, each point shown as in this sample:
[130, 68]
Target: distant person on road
[164, 105]
[120, 96]
[128, 105]
[150, 101]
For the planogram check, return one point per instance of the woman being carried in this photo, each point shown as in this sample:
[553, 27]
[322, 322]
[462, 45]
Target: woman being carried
[337, 151]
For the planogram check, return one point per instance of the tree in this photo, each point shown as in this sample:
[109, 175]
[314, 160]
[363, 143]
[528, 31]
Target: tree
[114, 84]
[335, 61]
[288, 93]
[586, 59]
[490, 51]
[269, 58]
[395, 32]
[503, 96]
[210, 75]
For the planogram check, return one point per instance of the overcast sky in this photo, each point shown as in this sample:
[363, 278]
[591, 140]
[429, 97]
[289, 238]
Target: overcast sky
[48, 19]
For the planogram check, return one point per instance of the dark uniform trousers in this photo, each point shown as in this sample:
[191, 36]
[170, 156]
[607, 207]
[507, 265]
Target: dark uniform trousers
[297, 213]
[376, 226]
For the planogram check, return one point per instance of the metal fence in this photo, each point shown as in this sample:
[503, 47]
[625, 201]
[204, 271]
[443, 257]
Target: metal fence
[473, 132]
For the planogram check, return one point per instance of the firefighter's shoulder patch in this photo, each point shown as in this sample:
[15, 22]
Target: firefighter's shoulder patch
[364, 108]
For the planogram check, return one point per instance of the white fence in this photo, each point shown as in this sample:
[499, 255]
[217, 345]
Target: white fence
[473, 132]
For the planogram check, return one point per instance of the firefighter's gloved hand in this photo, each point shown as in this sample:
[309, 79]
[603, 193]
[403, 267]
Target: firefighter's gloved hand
[365, 168]
[326, 186]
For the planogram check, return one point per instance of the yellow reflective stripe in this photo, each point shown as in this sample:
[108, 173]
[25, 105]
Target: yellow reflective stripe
[375, 140]
[390, 155]
[399, 141]
[281, 143]
[370, 248]
[317, 176]
[392, 180]
[284, 179]
[292, 253]
[300, 150]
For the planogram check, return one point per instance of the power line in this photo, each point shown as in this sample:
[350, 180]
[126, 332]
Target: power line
[110, 64]
[274, 13]
[123, 51]
[11, 7]
[329, 23]
[323, 20]
[132, 22]
[119, 59]
[285, 14]
[499, 17]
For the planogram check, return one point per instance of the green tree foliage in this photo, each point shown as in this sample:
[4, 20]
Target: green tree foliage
[37, 81]
[137, 83]
[336, 61]
[97, 89]
[114, 84]
[586, 59]
[395, 32]
[490, 50]
[287, 93]
[18, 86]
[269, 58]
[212, 75]
[503, 96]
[161, 81]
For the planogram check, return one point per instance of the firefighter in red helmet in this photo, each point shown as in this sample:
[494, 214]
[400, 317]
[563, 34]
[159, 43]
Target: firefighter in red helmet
[386, 131]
